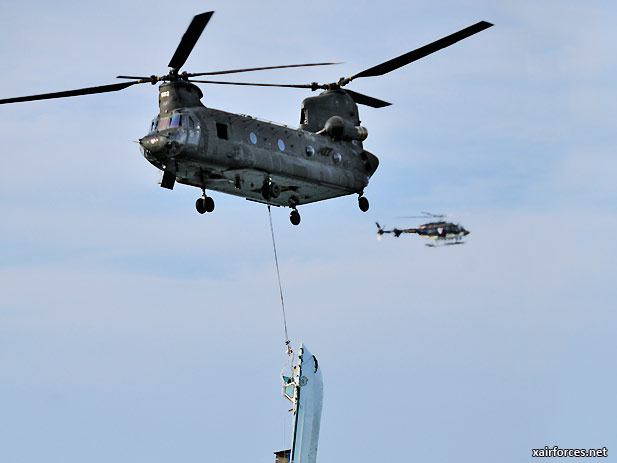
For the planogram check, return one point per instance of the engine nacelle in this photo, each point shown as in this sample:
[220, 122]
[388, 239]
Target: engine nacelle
[340, 129]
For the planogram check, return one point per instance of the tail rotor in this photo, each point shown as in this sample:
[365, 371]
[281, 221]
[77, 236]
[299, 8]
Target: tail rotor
[380, 231]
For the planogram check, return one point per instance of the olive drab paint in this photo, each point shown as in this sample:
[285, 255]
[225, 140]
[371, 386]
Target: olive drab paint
[237, 154]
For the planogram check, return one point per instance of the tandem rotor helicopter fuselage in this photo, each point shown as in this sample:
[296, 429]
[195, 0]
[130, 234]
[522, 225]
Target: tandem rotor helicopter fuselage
[260, 161]
[254, 159]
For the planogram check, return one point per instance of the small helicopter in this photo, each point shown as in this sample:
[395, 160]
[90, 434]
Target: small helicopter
[441, 233]
[260, 161]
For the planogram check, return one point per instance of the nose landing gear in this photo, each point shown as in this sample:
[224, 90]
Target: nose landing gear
[204, 204]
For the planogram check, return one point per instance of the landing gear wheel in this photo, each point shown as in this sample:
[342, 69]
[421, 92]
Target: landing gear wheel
[363, 203]
[274, 190]
[204, 204]
[200, 205]
[270, 190]
[294, 217]
[208, 203]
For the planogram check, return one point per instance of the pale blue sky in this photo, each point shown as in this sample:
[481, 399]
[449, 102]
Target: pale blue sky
[134, 329]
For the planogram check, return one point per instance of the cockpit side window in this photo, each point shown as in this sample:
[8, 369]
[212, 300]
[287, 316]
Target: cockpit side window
[175, 121]
[187, 121]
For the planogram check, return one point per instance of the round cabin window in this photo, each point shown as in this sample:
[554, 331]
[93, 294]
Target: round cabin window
[336, 157]
[281, 145]
[310, 151]
[253, 138]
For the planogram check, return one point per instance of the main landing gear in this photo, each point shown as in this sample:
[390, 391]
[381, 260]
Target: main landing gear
[270, 190]
[204, 204]
[294, 217]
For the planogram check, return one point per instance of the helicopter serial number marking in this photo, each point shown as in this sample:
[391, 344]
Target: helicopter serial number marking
[164, 94]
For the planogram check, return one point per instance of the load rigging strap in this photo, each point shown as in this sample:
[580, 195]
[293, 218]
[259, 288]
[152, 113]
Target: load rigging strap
[278, 274]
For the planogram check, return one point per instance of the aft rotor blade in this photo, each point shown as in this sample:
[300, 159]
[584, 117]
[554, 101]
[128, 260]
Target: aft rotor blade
[254, 84]
[421, 52]
[367, 100]
[189, 39]
[233, 71]
[67, 93]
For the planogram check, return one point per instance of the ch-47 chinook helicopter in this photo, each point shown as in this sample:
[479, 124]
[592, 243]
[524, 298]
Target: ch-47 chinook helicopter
[440, 233]
[261, 161]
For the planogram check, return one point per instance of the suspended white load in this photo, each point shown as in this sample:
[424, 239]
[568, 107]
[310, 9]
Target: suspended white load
[305, 391]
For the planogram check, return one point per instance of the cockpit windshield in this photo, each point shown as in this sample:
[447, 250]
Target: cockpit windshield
[163, 123]
[181, 118]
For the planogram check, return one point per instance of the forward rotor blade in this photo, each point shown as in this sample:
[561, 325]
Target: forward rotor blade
[67, 93]
[367, 100]
[254, 84]
[134, 77]
[421, 52]
[233, 71]
[189, 39]
[358, 97]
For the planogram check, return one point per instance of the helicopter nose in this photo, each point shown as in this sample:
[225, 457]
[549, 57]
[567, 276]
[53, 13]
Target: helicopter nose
[153, 143]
